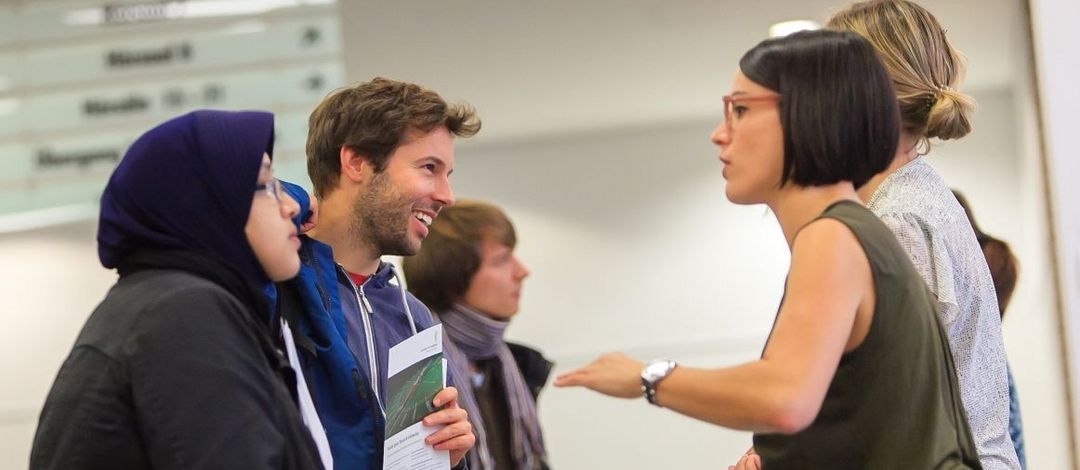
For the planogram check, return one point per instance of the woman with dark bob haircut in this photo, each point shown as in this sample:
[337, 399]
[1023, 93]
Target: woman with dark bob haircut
[856, 372]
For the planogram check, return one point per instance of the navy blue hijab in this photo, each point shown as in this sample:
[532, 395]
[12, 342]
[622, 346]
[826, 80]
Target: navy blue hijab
[186, 186]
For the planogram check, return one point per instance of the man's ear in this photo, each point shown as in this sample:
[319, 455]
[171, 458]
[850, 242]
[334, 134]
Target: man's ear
[353, 165]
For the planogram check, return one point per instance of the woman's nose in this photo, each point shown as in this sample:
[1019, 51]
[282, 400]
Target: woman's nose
[720, 136]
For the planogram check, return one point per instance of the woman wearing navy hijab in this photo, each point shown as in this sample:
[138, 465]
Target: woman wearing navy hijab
[177, 368]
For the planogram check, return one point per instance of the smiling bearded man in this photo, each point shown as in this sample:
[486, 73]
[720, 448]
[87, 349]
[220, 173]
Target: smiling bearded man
[380, 154]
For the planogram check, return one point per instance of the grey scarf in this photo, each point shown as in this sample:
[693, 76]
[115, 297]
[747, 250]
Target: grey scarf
[472, 336]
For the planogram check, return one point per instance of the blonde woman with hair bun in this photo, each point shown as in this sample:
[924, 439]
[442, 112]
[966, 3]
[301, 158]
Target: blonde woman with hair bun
[918, 206]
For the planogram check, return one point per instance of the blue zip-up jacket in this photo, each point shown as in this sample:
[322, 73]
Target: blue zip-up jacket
[330, 313]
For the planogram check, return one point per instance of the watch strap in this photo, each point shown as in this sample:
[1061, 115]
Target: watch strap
[648, 387]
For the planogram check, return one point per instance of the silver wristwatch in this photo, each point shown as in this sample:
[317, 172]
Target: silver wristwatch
[652, 375]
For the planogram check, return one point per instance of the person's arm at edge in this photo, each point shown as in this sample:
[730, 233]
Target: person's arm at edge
[784, 390]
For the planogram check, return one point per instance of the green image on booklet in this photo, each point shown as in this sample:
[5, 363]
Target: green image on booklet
[411, 391]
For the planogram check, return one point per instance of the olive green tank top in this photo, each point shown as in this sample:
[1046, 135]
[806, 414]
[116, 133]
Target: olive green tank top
[894, 402]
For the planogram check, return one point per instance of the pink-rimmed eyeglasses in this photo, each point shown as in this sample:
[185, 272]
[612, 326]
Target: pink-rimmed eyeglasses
[731, 100]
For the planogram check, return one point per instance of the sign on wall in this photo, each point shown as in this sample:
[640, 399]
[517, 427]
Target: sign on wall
[80, 80]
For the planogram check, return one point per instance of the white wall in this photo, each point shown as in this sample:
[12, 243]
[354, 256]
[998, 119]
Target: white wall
[1055, 37]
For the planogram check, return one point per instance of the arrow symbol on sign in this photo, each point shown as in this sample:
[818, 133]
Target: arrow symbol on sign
[311, 36]
[314, 82]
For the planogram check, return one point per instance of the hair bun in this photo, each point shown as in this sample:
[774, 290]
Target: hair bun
[950, 114]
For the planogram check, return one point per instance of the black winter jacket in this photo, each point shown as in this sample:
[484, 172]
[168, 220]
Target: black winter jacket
[172, 371]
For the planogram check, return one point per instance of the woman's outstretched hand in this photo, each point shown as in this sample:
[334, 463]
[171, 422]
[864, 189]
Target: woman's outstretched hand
[613, 374]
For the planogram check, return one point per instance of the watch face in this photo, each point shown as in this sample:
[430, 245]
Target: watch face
[656, 370]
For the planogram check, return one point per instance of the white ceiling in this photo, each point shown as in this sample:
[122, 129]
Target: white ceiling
[540, 68]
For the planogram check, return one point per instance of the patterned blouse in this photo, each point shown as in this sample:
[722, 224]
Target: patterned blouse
[934, 231]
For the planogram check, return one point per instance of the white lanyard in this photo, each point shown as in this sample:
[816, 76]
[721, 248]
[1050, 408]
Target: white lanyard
[307, 407]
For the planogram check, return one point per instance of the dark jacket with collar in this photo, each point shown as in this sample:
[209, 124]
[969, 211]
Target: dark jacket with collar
[534, 367]
[143, 385]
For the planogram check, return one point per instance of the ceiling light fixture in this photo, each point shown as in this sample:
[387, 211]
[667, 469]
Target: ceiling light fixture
[785, 28]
